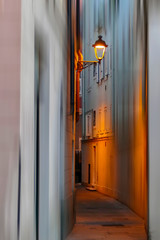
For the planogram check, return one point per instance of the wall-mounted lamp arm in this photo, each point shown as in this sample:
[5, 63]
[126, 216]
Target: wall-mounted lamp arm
[84, 64]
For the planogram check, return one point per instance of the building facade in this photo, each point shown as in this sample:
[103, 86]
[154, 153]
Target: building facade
[97, 90]
[114, 139]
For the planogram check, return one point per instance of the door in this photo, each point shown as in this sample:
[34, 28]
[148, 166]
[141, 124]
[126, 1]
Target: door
[94, 165]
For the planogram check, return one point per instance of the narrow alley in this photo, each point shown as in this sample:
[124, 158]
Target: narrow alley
[79, 120]
[100, 217]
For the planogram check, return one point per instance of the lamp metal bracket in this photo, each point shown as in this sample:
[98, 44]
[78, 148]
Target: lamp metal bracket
[84, 64]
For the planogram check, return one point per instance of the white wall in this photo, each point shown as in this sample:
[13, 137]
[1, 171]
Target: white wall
[154, 119]
[122, 171]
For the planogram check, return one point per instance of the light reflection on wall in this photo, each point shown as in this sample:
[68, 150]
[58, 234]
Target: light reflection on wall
[130, 107]
[120, 135]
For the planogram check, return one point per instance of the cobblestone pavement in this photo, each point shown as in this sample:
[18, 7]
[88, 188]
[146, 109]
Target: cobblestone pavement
[100, 217]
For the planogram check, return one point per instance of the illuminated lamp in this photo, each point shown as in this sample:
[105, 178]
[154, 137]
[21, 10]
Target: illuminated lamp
[99, 48]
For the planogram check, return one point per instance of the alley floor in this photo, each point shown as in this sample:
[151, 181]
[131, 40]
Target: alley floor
[100, 217]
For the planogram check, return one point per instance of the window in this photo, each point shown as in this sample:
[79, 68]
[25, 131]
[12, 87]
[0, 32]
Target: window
[101, 70]
[100, 120]
[105, 118]
[108, 118]
[88, 125]
[89, 77]
[105, 63]
[94, 69]
[97, 74]
[94, 118]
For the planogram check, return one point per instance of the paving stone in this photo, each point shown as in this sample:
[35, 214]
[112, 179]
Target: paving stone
[100, 217]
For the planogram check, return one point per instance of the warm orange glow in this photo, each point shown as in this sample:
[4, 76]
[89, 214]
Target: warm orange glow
[100, 47]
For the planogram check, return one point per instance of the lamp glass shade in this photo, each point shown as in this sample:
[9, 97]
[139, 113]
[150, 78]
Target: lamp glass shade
[99, 48]
[99, 52]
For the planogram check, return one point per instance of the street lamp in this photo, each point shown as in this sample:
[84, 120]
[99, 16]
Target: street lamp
[99, 49]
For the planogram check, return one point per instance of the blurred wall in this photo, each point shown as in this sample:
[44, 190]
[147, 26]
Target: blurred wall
[47, 192]
[36, 119]
[27, 196]
[10, 20]
[154, 119]
[130, 108]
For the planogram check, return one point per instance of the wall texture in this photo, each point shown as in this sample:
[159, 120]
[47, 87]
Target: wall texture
[130, 113]
[10, 19]
[46, 124]
[121, 157]
[154, 119]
